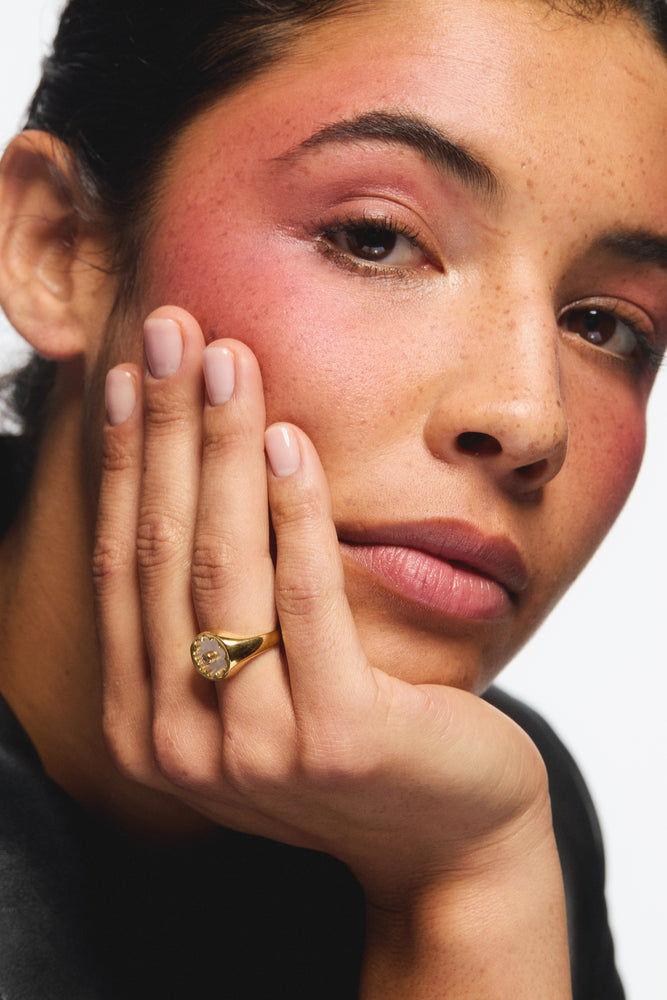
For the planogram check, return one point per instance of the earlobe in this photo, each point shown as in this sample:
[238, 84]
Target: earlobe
[48, 284]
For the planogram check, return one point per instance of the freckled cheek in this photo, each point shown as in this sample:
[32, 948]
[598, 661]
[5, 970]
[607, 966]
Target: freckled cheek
[315, 344]
[621, 464]
[609, 458]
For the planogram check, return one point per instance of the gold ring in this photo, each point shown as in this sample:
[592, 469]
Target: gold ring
[218, 655]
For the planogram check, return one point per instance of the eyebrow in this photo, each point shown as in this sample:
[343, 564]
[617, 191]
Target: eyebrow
[639, 247]
[413, 132]
[447, 156]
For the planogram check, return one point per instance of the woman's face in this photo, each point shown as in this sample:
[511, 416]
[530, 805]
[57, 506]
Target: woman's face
[442, 228]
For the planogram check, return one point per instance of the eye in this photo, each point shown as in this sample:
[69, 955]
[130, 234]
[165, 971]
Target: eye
[377, 243]
[373, 247]
[604, 329]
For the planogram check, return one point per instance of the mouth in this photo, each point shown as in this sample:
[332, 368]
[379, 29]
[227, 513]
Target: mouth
[448, 567]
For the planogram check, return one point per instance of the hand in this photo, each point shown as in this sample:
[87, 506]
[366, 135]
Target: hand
[409, 785]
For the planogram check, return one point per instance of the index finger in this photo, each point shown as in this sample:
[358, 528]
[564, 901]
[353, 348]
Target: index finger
[325, 656]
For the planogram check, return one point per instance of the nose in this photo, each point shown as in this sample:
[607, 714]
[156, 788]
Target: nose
[500, 408]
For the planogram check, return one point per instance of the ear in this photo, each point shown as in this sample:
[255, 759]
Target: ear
[53, 285]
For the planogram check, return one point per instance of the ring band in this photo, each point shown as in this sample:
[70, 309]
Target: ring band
[218, 655]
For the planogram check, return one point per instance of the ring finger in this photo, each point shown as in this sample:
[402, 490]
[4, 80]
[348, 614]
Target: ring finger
[233, 572]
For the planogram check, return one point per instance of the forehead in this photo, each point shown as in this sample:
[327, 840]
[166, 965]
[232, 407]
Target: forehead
[560, 107]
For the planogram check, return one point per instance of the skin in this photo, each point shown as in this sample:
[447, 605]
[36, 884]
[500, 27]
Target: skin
[421, 363]
[373, 378]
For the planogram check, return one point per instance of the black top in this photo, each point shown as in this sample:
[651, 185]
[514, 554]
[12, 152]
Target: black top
[86, 913]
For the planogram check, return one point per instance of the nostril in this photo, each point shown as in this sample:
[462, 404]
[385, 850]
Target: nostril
[479, 445]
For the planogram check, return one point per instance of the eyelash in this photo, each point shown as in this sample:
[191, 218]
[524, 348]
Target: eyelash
[646, 358]
[322, 232]
[650, 358]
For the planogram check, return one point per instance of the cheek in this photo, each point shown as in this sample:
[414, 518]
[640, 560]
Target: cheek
[315, 345]
[608, 436]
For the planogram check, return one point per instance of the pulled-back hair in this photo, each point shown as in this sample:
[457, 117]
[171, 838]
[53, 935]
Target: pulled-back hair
[123, 77]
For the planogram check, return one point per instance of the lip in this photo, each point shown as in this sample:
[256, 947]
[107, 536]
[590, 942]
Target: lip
[449, 566]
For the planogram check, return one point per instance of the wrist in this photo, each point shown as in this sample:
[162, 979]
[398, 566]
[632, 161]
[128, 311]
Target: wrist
[495, 926]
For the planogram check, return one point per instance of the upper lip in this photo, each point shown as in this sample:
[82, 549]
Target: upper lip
[453, 541]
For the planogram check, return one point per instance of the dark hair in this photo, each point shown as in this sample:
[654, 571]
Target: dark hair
[124, 76]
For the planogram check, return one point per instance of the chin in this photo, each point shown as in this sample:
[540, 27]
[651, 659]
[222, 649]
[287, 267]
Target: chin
[424, 657]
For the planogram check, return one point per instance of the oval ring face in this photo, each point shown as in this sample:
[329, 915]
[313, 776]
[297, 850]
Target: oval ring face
[218, 655]
[210, 656]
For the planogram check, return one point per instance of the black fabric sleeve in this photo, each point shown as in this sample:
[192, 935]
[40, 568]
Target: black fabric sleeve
[579, 840]
[45, 952]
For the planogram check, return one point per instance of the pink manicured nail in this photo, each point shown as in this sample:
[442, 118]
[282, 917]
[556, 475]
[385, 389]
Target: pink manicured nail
[219, 374]
[163, 343]
[282, 449]
[120, 396]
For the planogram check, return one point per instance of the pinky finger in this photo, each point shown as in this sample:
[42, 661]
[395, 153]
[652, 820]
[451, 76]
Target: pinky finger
[125, 673]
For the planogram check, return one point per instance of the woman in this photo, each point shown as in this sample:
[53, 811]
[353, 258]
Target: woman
[448, 320]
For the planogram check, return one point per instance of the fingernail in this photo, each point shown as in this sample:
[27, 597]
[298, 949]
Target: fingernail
[163, 343]
[282, 449]
[219, 374]
[120, 396]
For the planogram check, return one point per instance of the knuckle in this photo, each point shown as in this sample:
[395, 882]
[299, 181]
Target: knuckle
[302, 592]
[172, 755]
[127, 753]
[215, 559]
[165, 411]
[161, 536]
[296, 599]
[295, 512]
[219, 439]
[118, 456]
[240, 775]
[109, 560]
[252, 768]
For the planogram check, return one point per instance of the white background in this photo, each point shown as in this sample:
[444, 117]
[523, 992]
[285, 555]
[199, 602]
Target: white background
[597, 670]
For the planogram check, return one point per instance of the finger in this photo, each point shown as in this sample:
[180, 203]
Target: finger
[327, 664]
[173, 393]
[125, 674]
[232, 569]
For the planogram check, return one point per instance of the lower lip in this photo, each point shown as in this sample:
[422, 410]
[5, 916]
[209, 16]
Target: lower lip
[448, 588]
